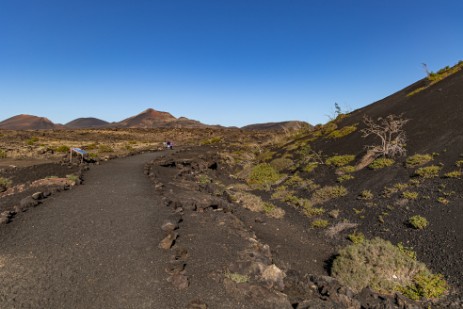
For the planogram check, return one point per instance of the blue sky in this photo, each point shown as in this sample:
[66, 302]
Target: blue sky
[229, 62]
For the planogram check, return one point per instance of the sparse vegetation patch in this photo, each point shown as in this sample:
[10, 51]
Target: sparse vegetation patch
[418, 159]
[344, 131]
[339, 161]
[428, 171]
[380, 163]
[327, 193]
[262, 176]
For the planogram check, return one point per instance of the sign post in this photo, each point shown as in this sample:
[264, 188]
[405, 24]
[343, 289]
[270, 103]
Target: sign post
[78, 151]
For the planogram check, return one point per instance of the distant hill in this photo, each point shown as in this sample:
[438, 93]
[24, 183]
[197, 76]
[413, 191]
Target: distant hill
[86, 123]
[149, 118]
[277, 126]
[28, 122]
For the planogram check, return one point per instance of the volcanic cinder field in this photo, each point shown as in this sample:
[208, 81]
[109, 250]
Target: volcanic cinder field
[365, 211]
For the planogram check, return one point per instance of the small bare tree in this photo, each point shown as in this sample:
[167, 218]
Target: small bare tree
[391, 133]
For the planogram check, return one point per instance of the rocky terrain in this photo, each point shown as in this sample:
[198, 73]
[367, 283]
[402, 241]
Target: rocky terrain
[364, 211]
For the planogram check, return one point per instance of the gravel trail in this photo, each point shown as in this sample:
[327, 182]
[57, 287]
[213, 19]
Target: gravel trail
[94, 246]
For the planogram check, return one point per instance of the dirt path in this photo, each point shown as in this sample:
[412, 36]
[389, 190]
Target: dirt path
[91, 247]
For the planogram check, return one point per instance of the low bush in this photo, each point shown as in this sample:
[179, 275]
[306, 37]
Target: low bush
[320, 224]
[3, 154]
[4, 184]
[453, 174]
[327, 193]
[310, 167]
[262, 176]
[281, 164]
[344, 131]
[345, 177]
[366, 195]
[347, 169]
[256, 204]
[459, 163]
[356, 237]
[380, 163]
[418, 222]
[428, 171]
[410, 195]
[418, 159]
[442, 200]
[401, 186]
[426, 285]
[339, 161]
[380, 265]
[311, 211]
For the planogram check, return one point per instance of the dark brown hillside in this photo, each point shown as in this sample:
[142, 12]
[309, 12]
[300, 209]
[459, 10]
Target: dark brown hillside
[86, 123]
[435, 118]
[279, 126]
[28, 122]
[149, 118]
[396, 193]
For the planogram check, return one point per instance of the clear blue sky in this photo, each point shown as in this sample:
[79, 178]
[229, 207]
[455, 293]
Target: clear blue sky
[229, 62]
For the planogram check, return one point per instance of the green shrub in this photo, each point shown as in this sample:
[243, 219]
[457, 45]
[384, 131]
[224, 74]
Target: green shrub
[459, 163]
[366, 195]
[356, 237]
[418, 159]
[345, 177]
[426, 285]
[265, 156]
[410, 195]
[62, 149]
[281, 164]
[327, 193]
[346, 169]
[262, 176]
[2, 154]
[320, 223]
[338, 161]
[310, 167]
[407, 251]
[311, 211]
[105, 149]
[4, 184]
[383, 267]
[381, 163]
[418, 222]
[428, 171]
[453, 174]
[295, 181]
[401, 186]
[442, 200]
[344, 131]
